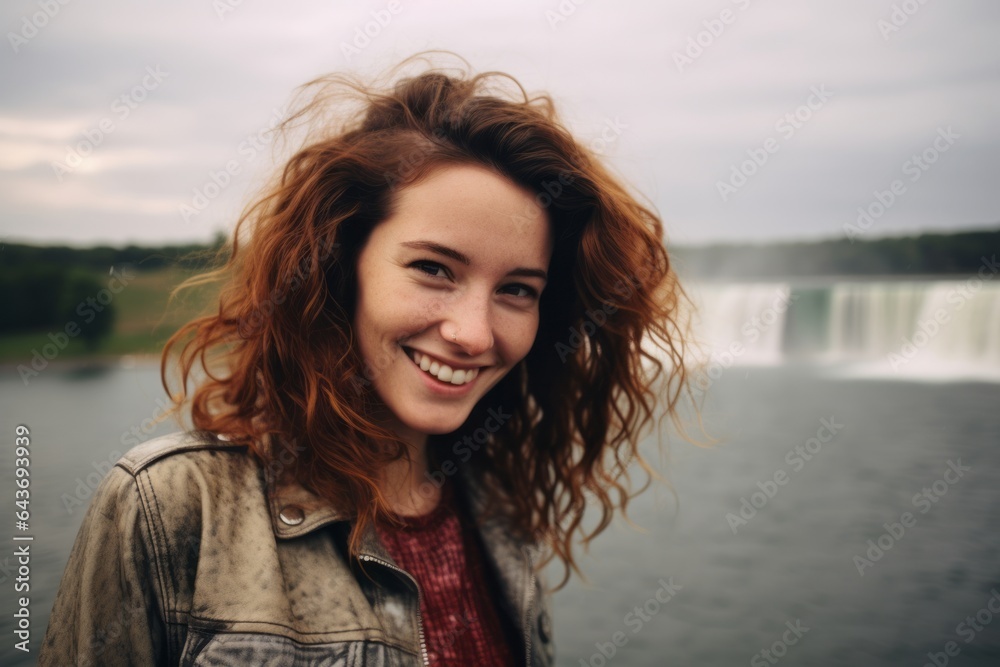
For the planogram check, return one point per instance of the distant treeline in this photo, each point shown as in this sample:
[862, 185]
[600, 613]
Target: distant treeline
[43, 286]
[51, 297]
[49, 287]
[959, 253]
[15, 256]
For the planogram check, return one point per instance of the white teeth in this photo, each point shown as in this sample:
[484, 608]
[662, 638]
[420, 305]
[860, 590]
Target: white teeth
[443, 372]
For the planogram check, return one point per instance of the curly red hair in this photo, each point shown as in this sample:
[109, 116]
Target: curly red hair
[280, 357]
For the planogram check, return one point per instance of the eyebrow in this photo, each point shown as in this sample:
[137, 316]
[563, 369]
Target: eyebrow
[459, 257]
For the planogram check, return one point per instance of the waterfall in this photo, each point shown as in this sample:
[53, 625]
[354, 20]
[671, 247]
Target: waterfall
[891, 328]
[870, 320]
[745, 321]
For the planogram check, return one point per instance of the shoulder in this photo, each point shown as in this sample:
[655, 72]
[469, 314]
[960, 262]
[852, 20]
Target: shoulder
[177, 450]
[178, 481]
[191, 471]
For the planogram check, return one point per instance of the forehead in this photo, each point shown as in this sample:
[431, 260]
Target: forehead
[475, 210]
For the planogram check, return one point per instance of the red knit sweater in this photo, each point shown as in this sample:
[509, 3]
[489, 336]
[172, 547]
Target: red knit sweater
[462, 624]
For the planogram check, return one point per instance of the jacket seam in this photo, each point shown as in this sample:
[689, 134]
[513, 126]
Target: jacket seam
[356, 644]
[134, 467]
[278, 625]
[382, 639]
[158, 537]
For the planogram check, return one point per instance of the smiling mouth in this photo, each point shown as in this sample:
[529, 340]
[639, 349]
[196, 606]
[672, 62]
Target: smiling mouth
[440, 371]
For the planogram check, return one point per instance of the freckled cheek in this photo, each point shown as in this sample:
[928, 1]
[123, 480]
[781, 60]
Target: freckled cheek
[378, 329]
[413, 313]
[396, 307]
[427, 309]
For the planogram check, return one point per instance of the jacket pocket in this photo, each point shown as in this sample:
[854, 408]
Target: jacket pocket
[206, 648]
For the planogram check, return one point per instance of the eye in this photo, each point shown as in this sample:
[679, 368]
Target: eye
[429, 268]
[522, 291]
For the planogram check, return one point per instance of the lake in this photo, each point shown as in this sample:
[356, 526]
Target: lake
[848, 515]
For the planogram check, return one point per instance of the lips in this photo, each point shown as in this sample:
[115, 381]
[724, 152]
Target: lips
[440, 370]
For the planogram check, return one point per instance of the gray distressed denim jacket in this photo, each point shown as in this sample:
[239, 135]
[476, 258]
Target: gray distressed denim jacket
[191, 554]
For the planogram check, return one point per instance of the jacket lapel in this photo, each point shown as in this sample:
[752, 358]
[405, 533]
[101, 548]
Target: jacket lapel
[296, 511]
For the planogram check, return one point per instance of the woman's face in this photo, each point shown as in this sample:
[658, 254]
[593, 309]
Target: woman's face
[448, 292]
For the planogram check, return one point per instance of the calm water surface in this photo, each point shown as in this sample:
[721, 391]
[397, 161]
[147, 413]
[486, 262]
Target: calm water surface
[737, 581]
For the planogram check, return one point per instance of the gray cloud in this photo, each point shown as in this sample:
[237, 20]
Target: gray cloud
[684, 130]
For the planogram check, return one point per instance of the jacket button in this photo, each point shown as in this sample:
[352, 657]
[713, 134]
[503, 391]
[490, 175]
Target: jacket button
[292, 515]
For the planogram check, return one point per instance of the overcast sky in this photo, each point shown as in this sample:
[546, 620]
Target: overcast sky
[833, 99]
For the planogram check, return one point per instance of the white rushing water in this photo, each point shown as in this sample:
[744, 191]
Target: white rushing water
[905, 329]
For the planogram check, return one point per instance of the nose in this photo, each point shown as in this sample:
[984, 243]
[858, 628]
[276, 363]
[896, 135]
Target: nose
[469, 325]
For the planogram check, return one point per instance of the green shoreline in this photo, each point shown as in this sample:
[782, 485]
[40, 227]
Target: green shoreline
[143, 321]
[86, 361]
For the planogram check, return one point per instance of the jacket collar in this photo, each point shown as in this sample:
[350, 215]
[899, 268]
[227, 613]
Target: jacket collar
[295, 511]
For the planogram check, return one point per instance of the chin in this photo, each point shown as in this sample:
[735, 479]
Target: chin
[439, 430]
[432, 422]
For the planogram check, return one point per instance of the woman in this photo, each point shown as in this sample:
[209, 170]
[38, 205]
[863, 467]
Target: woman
[439, 340]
